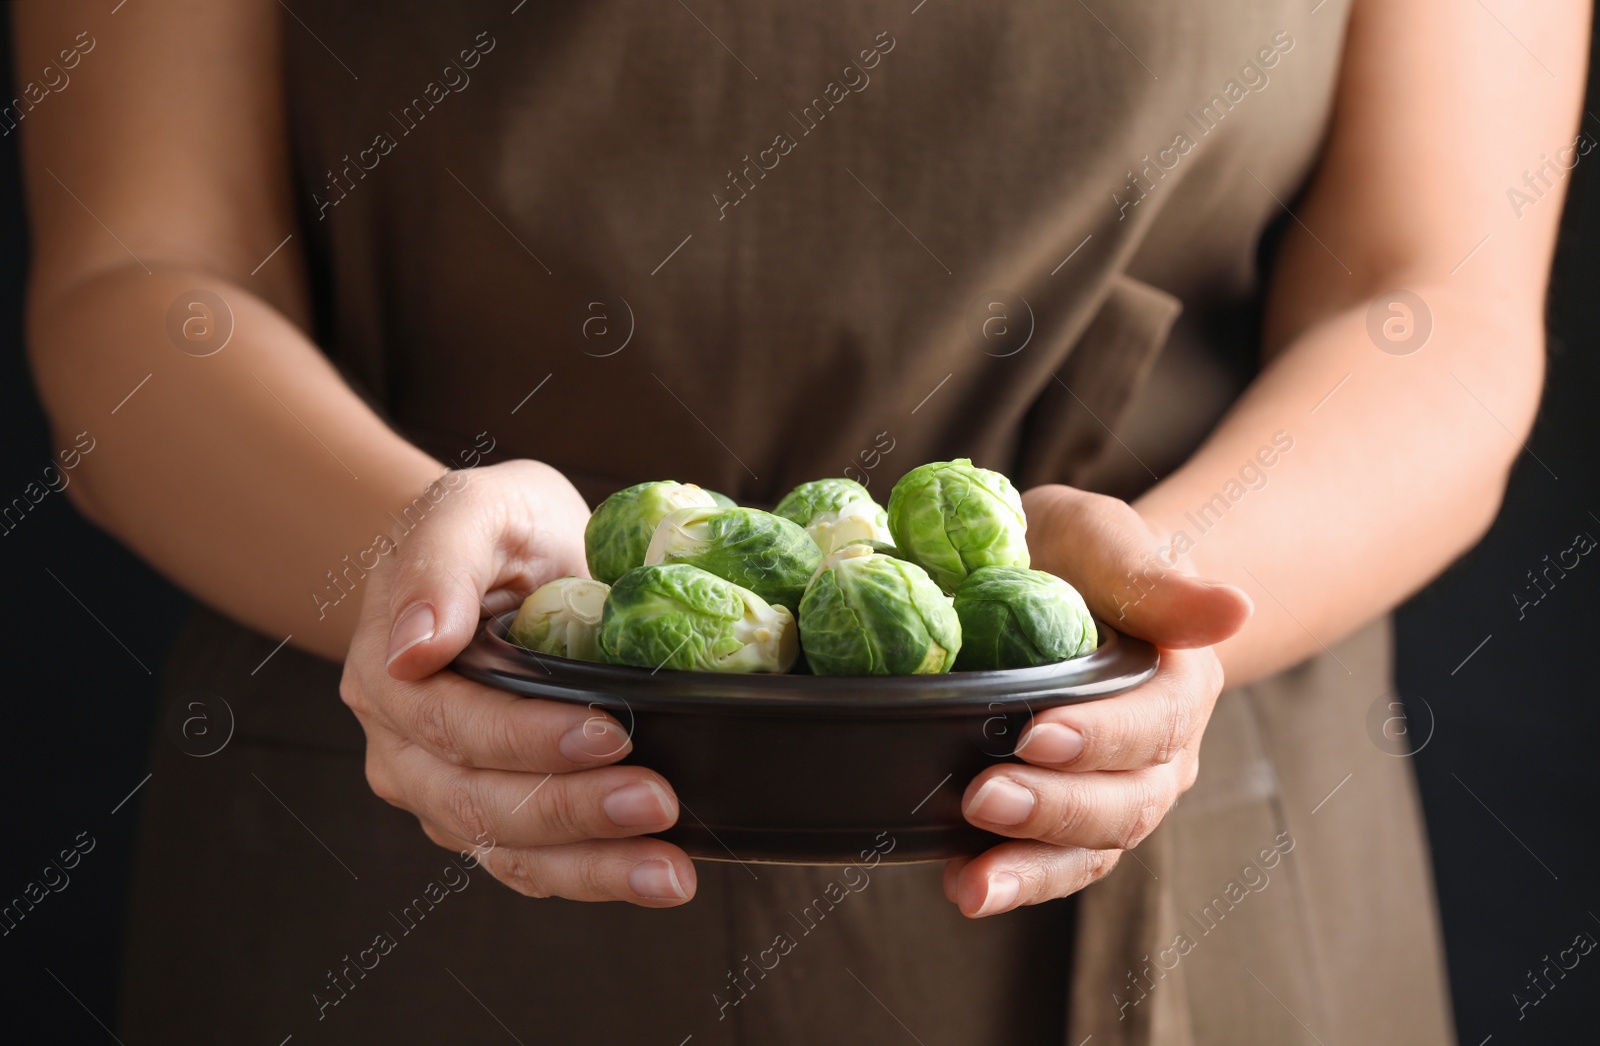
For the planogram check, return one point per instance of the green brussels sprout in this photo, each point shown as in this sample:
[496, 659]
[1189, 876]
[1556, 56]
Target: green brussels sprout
[836, 512]
[767, 554]
[871, 614]
[562, 617]
[1017, 618]
[808, 500]
[673, 615]
[619, 530]
[950, 518]
[722, 499]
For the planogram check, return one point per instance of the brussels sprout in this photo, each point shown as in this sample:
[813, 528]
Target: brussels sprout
[619, 531]
[836, 512]
[673, 615]
[767, 554]
[1016, 618]
[950, 518]
[808, 500]
[871, 614]
[562, 618]
[723, 499]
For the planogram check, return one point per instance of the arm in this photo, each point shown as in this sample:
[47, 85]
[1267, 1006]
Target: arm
[1440, 110]
[162, 168]
[1402, 470]
[246, 475]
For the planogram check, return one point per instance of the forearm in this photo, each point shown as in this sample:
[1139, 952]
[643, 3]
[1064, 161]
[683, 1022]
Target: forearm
[246, 476]
[1387, 480]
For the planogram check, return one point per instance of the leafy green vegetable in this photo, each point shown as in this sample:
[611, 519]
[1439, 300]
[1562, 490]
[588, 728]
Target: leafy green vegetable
[871, 614]
[836, 512]
[950, 517]
[764, 552]
[561, 617]
[1017, 618]
[673, 615]
[619, 531]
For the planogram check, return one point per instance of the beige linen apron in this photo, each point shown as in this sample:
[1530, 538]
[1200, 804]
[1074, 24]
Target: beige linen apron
[748, 245]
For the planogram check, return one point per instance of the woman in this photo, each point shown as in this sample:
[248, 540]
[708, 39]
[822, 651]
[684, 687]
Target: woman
[334, 250]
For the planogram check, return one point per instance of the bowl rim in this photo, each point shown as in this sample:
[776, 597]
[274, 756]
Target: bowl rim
[1119, 663]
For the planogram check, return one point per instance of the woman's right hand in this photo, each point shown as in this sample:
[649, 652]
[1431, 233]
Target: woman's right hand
[527, 783]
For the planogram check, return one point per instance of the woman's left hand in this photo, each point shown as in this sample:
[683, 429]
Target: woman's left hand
[1097, 777]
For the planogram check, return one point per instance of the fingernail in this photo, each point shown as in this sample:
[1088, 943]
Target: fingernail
[1001, 801]
[1235, 589]
[656, 879]
[639, 805]
[593, 740]
[410, 628]
[1004, 887]
[1050, 743]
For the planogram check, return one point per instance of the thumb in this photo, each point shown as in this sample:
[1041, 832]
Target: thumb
[441, 572]
[1103, 547]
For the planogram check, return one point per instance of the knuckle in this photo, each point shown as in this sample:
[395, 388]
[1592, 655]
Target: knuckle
[432, 725]
[464, 809]
[1171, 729]
[381, 781]
[353, 694]
[563, 815]
[1099, 863]
[1188, 773]
[1072, 820]
[522, 873]
[1216, 679]
[1143, 819]
[1146, 810]
[505, 735]
[437, 837]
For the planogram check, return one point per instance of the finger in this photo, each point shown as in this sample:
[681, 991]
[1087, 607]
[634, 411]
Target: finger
[533, 809]
[1104, 548]
[1146, 726]
[646, 872]
[1014, 874]
[483, 543]
[952, 873]
[440, 574]
[466, 724]
[1098, 810]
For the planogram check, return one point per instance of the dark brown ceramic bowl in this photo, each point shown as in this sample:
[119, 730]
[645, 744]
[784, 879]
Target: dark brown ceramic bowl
[802, 769]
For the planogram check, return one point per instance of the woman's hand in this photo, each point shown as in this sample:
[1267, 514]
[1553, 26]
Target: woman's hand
[1097, 777]
[526, 783]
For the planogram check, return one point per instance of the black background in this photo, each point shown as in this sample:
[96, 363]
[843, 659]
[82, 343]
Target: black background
[1507, 763]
